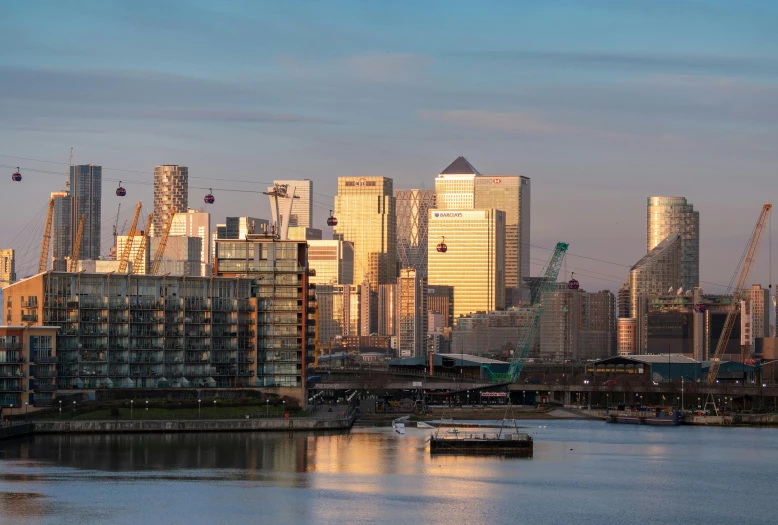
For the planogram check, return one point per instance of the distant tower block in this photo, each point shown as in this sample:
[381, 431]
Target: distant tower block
[171, 193]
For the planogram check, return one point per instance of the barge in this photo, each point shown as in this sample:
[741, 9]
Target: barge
[663, 416]
[497, 443]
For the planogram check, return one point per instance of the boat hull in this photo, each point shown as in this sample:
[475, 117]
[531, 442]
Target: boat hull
[662, 419]
[481, 447]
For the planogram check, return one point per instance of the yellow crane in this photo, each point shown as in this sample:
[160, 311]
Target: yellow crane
[77, 245]
[747, 264]
[140, 256]
[43, 262]
[128, 245]
[162, 244]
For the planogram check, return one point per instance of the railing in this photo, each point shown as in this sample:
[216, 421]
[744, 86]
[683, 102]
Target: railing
[10, 346]
[45, 373]
[45, 359]
[45, 388]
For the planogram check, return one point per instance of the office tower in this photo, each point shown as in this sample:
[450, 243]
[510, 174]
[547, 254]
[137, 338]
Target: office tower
[368, 310]
[668, 215]
[364, 207]
[759, 299]
[412, 208]
[461, 186]
[411, 314]
[195, 223]
[597, 337]
[60, 231]
[7, 267]
[559, 323]
[387, 309]
[171, 194]
[239, 227]
[338, 314]
[301, 233]
[86, 187]
[302, 207]
[331, 262]
[440, 300]
[624, 301]
[181, 255]
[474, 260]
[511, 194]
[136, 245]
[455, 186]
[658, 272]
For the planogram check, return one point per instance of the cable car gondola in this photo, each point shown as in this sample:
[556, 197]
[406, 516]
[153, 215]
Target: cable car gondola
[700, 308]
[572, 283]
[332, 221]
[209, 199]
[442, 248]
[16, 177]
[120, 192]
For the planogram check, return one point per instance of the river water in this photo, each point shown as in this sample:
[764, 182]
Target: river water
[582, 472]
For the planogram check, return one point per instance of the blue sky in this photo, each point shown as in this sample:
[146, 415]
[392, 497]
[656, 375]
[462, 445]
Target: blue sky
[601, 103]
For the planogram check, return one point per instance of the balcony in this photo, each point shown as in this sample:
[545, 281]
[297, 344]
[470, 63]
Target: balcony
[45, 388]
[10, 346]
[45, 373]
[32, 302]
[30, 318]
[45, 359]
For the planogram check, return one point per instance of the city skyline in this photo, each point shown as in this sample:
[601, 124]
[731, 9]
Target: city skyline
[598, 123]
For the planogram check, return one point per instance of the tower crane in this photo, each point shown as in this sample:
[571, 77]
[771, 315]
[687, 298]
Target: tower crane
[128, 245]
[746, 265]
[77, 245]
[532, 323]
[43, 262]
[162, 244]
[115, 232]
[140, 255]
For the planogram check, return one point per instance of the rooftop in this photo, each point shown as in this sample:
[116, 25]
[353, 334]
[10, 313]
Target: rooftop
[460, 166]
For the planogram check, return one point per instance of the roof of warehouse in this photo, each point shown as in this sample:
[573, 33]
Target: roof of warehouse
[437, 360]
[651, 358]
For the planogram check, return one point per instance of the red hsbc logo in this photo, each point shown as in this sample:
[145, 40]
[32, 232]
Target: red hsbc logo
[496, 181]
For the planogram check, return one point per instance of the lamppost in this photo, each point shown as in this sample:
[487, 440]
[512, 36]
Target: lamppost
[523, 397]
[199, 406]
[132, 404]
[147, 407]
[26, 407]
[641, 401]
[267, 408]
[683, 405]
[468, 397]
[60, 410]
[12, 410]
[698, 403]
[283, 406]
[74, 410]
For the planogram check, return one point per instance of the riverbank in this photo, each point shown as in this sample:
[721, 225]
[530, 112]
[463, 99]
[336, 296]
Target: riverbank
[344, 422]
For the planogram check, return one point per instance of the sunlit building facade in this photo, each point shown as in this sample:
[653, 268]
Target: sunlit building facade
[7, 266]
[474, 260]
[86, 190]
[411, 314]
[365, 209]
[171, 194]
[658, 272]
[195, 223]
[668, 215]
[61, 241]
[331, 262]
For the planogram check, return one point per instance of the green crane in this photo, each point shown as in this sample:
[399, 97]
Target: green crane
[532, 323]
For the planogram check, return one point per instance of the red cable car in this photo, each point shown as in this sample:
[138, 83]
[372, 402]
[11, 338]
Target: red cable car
[209, 198]
[332, 221]
[16, 176]
[442, 248]
[572, 283]
[120, 192]
[700, 308]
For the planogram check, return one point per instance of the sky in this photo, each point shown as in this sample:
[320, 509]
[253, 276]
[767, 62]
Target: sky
[601, 103]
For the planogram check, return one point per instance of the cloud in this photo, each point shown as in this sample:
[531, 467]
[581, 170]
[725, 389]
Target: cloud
[688, 63]
[515, 122]
[386, 67]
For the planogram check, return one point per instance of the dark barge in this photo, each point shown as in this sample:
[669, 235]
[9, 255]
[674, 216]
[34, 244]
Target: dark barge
[498, 443]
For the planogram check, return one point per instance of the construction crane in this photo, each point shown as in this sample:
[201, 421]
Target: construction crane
[746, 265]
[128, 245]
[43, 262]
[77, 245]
[115, 231]
[532, 323]
[162, 244]
[140, 256]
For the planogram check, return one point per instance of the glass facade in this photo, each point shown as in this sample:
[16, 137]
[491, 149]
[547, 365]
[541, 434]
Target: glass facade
[455, 192]
[668, 215]
[171, 194]
[411, 314]
[412, 226]
[86, 190]
[195, 223]
[474, 261]
[60, 229]
[332, 262]
[658, 272]
[365, 209]
[7, 267]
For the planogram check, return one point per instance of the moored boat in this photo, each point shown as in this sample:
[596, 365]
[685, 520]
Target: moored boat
[664, 416]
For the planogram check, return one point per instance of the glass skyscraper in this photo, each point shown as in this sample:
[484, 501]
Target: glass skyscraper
[86, 190]
[61, 235]
[364, 207]
[474, 261]
[412, 226]
[668, 215]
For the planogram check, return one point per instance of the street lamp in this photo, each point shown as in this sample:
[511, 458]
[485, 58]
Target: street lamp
[132, 404]
[60, 410]
[683, 405]
[267, 408]
[283, 406]
[199, 406]
[74, 410]
[147, 407]
[26, 407]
